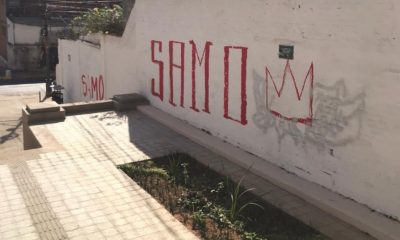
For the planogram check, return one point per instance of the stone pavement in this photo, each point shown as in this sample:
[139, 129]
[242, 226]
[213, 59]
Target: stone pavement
[12, 100]
[78, 193]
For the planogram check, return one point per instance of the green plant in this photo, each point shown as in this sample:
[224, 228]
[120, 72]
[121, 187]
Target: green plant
[191, 201]
[218, 189]
[99, 20]
[144, 171]
[236, 195]
[185, 173]
[252, 236]
[211, 203]
[199, 221]
[218, 214]
[173, 167]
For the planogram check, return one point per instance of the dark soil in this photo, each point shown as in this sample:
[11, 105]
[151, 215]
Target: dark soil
[202, 199]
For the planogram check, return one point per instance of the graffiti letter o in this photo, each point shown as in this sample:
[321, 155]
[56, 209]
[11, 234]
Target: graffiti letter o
[101, 88]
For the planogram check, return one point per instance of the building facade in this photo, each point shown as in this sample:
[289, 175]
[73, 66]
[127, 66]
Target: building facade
[3, 30]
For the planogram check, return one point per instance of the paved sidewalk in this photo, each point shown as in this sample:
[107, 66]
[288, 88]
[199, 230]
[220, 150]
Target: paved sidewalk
[78, 193]
[12, 100]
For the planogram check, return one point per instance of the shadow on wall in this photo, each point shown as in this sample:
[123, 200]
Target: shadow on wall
[337, 118]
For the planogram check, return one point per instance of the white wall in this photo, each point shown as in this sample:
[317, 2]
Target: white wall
[26, 34]
[80, 60]
[10, 32]
[351, 144]
[121, 67]
[82, 71]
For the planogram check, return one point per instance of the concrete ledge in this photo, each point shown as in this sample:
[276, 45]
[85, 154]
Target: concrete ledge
[43, 115]
[42, 107]
[29, 139]
[345, 209]
[45, 138]
[51, 111]
[87, 107]
[36, 113]
[124, 102]
[120, 102]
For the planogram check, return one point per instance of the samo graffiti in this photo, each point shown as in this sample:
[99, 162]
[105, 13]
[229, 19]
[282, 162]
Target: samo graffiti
[204, 61]
[335, 122]
[92, 86]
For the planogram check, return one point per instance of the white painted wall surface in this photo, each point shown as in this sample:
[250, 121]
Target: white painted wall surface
[351, 147]
[90, 60]
[67, 71]
[82, 71]
[26, 34]
[10, 32]
[120, 65]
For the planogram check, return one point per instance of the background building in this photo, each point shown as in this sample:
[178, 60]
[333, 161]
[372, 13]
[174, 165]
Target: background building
[24, 25]
[3, 32]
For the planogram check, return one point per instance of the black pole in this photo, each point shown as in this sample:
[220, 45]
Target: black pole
[45, 39]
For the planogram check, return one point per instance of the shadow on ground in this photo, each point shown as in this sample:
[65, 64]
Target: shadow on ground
[12, 132]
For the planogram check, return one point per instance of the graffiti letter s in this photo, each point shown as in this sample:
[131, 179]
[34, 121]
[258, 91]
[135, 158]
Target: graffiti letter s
[160, 64]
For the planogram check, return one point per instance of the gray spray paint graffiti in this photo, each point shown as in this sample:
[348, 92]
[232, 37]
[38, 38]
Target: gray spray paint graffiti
[337, 118]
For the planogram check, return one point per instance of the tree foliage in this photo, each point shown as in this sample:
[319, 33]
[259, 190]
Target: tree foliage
[99, 20]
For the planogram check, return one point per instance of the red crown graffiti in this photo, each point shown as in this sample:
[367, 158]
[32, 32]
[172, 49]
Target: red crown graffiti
[288, 73]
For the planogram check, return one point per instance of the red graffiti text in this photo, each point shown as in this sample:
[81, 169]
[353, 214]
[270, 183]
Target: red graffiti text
[243, 80]
[200, 57]
[93, 87]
